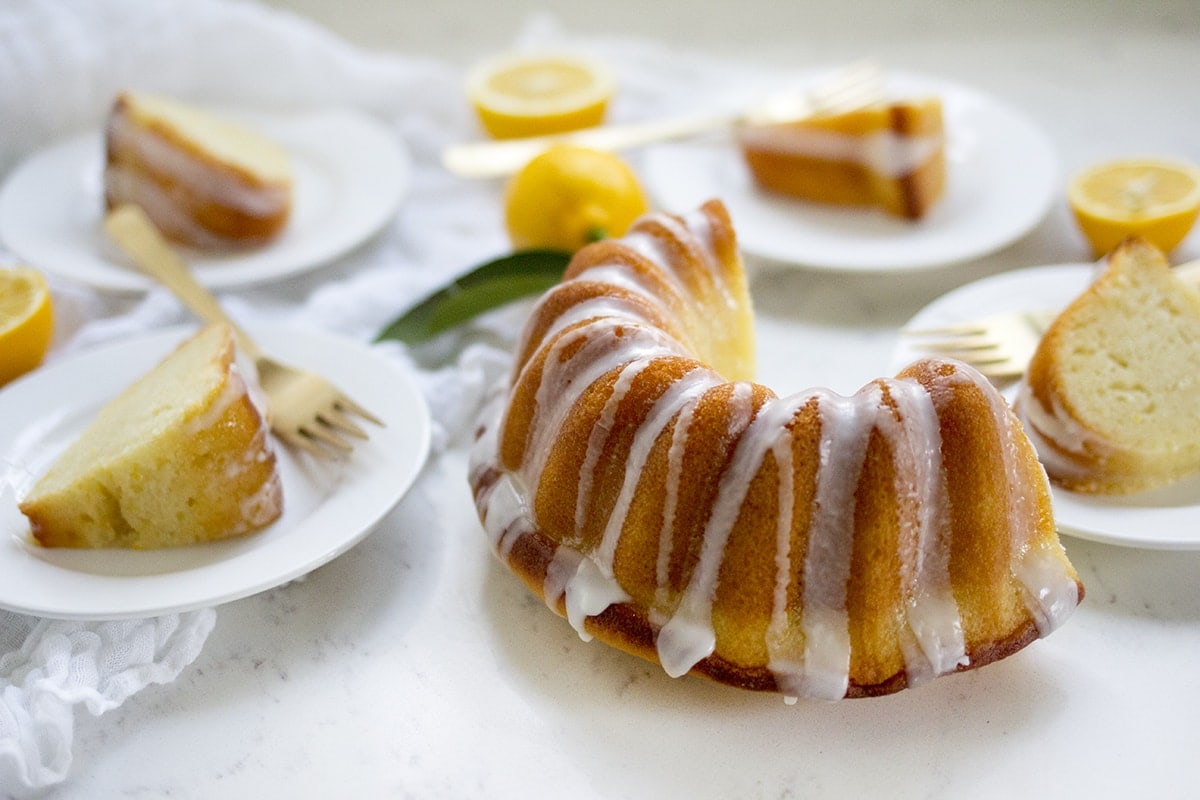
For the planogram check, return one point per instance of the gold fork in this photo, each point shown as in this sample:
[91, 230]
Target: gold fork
[855, 86]
[306, 410]
[1000, 345]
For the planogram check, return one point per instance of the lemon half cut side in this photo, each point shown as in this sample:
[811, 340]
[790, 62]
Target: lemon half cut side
[26, 321]
[1156, 199]
[533, 95]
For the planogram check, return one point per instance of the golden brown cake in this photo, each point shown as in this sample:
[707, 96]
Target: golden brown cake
[818, 545]
[181, 456]
[890, 155]
[1112, 395]
[204, 181]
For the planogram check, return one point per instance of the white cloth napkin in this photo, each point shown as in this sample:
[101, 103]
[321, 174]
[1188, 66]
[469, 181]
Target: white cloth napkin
[61, 62]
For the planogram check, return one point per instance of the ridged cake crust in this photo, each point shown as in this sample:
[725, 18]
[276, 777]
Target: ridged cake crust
[814, 545]
[182, 456]
[203, 181]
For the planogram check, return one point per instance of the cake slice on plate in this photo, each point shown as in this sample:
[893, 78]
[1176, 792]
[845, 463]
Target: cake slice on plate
[889, 154]
[1112, 396]
[205, 181]
[181, 456]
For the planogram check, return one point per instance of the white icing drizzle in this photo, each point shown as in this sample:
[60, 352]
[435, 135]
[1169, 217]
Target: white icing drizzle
[883, 152]
[679, 436]
[588, 592]
[1050, 594]
[664, 410]
[808, 646]
[599, 437]
[843, 446]
[688, 635]
[784, 659]
[1058, 436]
[932, 612]
[564, 379]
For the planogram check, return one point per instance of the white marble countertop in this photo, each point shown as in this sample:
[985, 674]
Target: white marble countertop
[414, 666]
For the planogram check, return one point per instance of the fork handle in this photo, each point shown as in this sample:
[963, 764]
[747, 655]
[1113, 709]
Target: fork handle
[496, 159]
[137, 236]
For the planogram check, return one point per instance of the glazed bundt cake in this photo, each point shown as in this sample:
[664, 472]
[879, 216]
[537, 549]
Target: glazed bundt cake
[205, 181]
[181, 456]
[1111, 398]
[815, 545]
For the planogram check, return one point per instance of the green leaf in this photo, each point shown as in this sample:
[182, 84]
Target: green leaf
[488, 286]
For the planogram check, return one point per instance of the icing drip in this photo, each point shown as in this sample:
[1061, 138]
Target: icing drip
[588, 592]
[843, 446]
[565, 379]
[679, 436]
[1050, 594]
[784, 659]
[684, 391]
[1059, 439]
[688, 636]
[599, 436]
[506, 508]
[932, 612]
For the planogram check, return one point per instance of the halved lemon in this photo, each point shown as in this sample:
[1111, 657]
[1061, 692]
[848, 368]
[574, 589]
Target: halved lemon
[1156, 199]
[533, 95]
[26, 321]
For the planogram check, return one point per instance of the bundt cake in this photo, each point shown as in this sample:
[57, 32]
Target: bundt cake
[815, 545]
[889, 154]
[1111, 398]
[181, 456]
[204, 181]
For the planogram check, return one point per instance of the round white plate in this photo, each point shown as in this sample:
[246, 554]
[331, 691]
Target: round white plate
[328, 506]
[1167, 518]
[350, 174]
[1001, 175]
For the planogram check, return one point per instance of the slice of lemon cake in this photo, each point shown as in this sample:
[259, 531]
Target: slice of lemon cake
[1112, 395]
[890, 155]
[181, 456]
[205, 181]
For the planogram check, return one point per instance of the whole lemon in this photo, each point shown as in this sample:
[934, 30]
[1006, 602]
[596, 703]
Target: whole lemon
[569, 196]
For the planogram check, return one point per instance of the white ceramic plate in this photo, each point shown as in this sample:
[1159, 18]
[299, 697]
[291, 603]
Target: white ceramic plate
[1002, 173]
[1167, 518]
[328, 507]
[350, 174]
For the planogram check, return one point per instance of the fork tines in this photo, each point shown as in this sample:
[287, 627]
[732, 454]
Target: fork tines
[999, 346]
[325, 436]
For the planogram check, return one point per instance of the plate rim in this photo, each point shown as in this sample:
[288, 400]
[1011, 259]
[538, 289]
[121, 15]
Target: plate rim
[393, 472]
[98, 270]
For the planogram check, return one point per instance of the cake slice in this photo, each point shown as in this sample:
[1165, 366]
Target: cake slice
[890, 155]
[181, 456]
[1112, 395]
[204, 181]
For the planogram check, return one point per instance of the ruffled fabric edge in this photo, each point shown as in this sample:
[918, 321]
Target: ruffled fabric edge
[64, 664]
